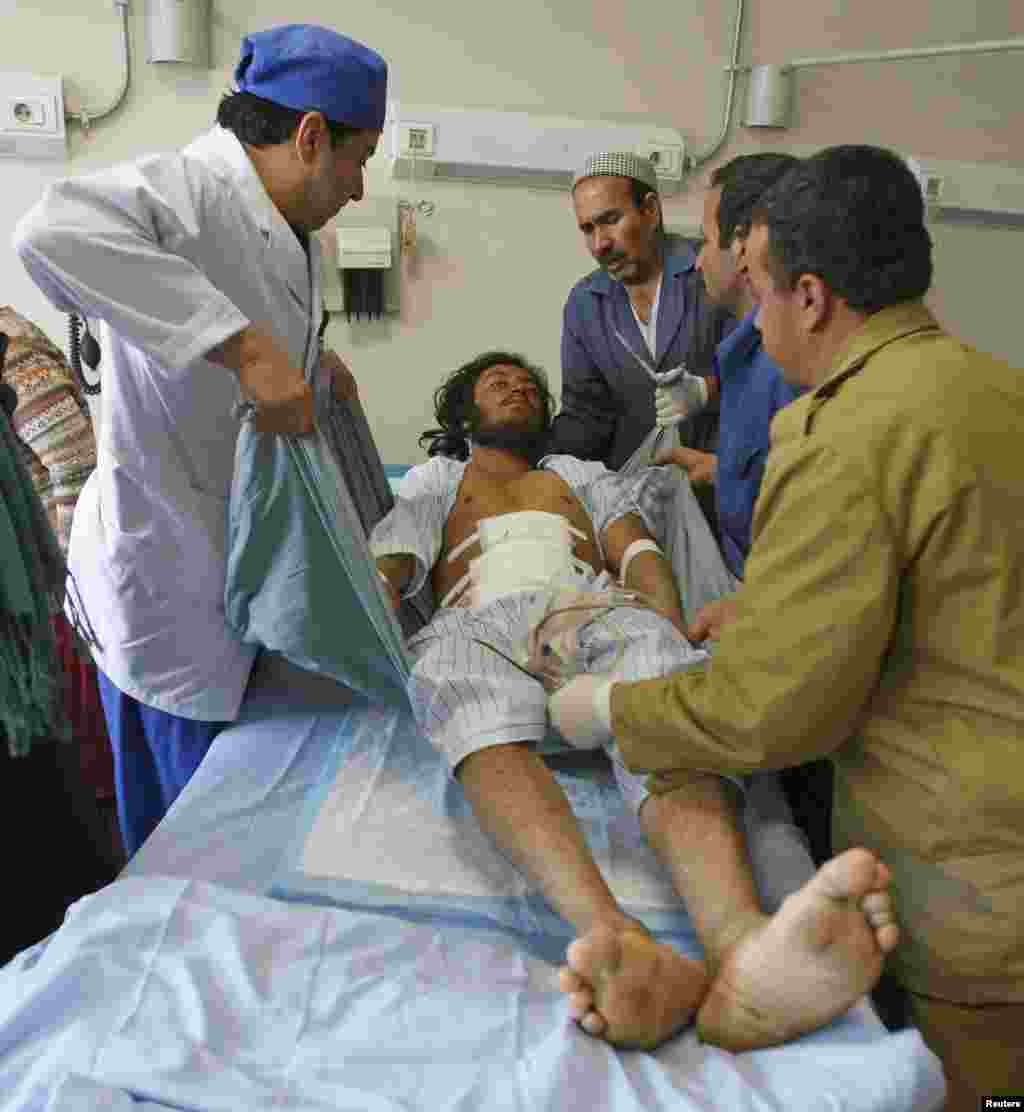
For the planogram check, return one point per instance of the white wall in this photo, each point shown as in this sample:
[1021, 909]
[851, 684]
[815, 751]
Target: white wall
[494, 262]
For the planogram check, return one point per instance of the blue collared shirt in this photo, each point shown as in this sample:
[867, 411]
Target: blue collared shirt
[753, 391]
[607, 398]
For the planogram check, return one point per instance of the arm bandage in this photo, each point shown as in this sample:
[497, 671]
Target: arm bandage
[632, 550]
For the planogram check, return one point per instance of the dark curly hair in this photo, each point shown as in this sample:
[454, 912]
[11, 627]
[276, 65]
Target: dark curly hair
[854, 216]
[455, 409]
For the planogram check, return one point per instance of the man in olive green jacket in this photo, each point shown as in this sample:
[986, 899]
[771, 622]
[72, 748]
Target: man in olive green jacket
[881, 621]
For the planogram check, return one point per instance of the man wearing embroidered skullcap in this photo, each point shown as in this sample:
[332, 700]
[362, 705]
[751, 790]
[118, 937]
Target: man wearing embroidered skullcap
[204, 269]
[645, 303]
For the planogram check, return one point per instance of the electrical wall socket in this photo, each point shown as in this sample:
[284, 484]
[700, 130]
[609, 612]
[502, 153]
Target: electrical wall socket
[669, 159]
[31, 116]
[415, 140]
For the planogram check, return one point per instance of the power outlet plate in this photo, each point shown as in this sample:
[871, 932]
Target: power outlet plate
[32, 124]
[669, 159]
[30, 113]
[415, 140]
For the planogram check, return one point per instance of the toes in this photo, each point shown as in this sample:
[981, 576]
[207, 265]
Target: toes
[852, 875]
[576, 954]
[580, 995]
[877, 907]
[859, 873]
[569, 980]
[580, 1003]
[878, 910]
[593, 1023]
[595, 954]
[887, 936]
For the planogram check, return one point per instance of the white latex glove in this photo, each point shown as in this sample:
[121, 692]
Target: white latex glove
[678, 397]
[581, 711]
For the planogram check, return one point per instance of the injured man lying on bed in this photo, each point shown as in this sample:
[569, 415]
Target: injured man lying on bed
[521, 549]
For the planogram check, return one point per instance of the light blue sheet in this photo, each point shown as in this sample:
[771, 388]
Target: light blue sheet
[185, 986]
[412, 844]
[191, 996]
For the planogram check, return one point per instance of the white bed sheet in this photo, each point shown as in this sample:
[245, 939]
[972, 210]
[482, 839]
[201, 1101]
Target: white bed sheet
[182, 985]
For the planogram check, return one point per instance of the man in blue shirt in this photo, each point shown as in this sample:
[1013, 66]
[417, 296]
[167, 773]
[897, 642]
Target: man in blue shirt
[646, 300]
[752, 389]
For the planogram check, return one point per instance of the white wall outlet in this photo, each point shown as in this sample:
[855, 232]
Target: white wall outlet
[668, 159]
[415, 140]
[31, 113]
[31, 116]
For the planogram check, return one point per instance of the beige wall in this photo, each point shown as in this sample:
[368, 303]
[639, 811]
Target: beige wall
[495, 262]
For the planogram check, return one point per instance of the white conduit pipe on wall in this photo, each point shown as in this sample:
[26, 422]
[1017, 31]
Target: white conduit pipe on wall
[770, 93]
[733, 68]
[993, 47]
[86, 117]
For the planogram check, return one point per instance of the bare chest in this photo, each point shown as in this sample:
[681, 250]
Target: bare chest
[481, 497]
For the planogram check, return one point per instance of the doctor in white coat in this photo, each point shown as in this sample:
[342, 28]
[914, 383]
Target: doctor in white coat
[203, 268]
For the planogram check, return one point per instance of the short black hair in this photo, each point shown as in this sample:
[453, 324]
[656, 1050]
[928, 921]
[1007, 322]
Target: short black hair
[854, 216]
[264, 123]
[455, 407]
[742, 181]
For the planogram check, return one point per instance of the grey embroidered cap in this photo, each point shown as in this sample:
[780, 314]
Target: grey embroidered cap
[618, 164]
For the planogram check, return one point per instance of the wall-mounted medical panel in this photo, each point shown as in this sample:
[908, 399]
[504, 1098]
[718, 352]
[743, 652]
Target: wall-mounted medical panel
[518, 148]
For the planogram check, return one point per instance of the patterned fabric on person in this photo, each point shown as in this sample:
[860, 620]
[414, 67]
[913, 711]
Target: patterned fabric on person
[58, 449]
[51, 419]
[32, 575]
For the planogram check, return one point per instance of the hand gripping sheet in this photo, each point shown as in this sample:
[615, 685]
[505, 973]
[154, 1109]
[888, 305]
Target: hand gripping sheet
[300, 577]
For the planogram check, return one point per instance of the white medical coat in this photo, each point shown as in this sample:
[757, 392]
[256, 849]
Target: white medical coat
[175, 253]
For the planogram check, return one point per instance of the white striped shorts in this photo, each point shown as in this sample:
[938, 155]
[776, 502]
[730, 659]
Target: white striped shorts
[467, 697]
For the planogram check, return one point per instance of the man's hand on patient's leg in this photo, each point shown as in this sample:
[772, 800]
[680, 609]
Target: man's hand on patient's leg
[581, 711]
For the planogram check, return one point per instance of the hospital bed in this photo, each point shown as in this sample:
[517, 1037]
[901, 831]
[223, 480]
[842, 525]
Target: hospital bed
[319, 924]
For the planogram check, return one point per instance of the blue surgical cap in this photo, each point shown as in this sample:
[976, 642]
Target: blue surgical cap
[311, 68]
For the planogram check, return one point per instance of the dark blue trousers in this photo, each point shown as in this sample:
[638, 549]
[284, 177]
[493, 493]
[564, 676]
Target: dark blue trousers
[155, 754]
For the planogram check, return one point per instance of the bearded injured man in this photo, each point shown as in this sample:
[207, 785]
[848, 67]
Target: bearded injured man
[543, 566]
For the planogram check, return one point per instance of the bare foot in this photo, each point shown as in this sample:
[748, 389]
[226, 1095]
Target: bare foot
[630, 990]
[820, 952]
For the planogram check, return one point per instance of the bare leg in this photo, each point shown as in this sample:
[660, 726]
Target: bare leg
[777, 977]
[521, 806]
[695, 832]
[773, 979]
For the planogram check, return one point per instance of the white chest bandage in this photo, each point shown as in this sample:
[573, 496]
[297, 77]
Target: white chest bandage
[632, 550]
[525, 550]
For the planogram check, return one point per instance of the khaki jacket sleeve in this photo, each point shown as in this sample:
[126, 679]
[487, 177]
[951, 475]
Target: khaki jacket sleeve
[790, 677]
